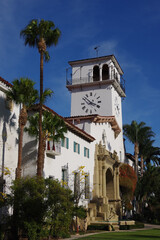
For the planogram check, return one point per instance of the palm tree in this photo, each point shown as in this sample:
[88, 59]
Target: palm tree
[144, 148]
[53, 128]
[137, 133]
[22, 92]
[40, 34]
[150, 153]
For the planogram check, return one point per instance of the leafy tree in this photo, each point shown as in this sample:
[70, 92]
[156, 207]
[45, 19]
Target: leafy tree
[128, 181]
[41, 34]
[137, 133]
[53, 127]
[148, 193]
[43, 208]
[22, 92]
[60, 209]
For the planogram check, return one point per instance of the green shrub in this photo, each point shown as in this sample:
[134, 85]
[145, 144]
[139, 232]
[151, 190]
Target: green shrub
[129, 227]
[42, 208]
[98, 227]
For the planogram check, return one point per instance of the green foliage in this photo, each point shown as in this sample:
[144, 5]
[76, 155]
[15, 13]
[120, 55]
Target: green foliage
[37, 30]
[148, 193]
[23, 92]
[80, 212]
[46, 94]
[129, 227]
[41, 208]
[149, 152]
[60, 208]
[53, 126]
[137, 132]
[101, 227]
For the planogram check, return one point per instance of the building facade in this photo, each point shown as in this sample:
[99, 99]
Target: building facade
[93, 145]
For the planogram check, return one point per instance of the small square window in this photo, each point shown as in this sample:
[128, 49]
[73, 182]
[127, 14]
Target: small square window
[86, 152]
[65, 142]
[76, 147]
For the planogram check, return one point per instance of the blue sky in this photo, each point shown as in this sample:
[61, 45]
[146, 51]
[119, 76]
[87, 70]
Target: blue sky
[128, 29]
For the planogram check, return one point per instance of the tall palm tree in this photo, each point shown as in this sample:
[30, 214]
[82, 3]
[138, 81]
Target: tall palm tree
[40, 34]
[22, 92]
[136, 134]
[53, 128]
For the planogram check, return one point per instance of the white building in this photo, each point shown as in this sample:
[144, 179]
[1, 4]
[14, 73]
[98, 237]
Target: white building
[96, 117]
[9, 113]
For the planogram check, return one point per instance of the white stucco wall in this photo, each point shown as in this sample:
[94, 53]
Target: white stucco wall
[112, 144]
[53, 163]
[104, 95]
[9, 122]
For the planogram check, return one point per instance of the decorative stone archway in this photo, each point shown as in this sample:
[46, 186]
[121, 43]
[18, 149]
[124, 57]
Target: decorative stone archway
[106, 202]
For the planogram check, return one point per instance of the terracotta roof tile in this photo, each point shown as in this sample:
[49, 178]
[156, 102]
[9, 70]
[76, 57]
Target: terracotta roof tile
[5, 82]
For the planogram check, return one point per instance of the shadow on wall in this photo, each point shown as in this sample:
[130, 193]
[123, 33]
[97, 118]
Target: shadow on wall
[29, 158]
[7, 123]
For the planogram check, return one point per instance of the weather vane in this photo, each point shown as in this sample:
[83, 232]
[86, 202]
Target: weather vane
[97, 49]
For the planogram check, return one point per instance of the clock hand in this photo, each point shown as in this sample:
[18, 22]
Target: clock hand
[86, 100]
[90, 102]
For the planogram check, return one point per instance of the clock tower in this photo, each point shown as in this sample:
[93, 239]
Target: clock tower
[96, 87]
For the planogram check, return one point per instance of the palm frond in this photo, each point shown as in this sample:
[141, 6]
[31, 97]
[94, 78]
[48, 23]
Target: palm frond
[47, 94]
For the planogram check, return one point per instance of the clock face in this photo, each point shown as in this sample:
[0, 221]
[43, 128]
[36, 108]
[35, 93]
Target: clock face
[91, 102]
[116, 106]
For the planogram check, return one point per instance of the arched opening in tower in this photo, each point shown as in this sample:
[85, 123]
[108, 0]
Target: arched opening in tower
[96, 75]
[105, 72]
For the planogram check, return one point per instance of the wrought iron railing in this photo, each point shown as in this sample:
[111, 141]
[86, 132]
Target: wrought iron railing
[74, 81]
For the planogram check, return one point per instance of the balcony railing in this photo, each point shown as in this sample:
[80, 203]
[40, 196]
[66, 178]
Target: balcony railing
[74, 81]
[53, 148]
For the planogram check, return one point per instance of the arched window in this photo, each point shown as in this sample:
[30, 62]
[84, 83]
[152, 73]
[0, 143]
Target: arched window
[105, 72]
[96, 75]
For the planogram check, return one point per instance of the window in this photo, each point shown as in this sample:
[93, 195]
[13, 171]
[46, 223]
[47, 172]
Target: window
[86, 152]
[65, 176]
[54, 146]
[76, 185]
[65, 142]
[76, 147]
[87, 186]
[96, 75]
[105, 72]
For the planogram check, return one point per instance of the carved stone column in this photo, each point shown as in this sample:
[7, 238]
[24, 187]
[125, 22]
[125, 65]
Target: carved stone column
[100, 178]
[96, 175]
[104, 182]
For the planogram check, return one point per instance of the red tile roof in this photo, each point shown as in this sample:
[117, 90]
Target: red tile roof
[5, 82]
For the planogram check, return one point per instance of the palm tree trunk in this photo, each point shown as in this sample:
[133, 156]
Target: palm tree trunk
[40, 147]
[22, 123]
[136, 152]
